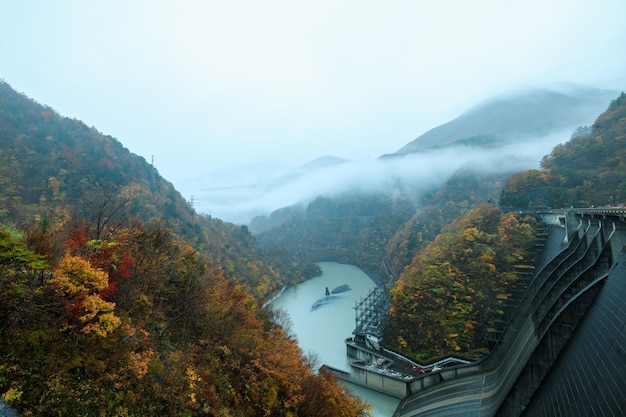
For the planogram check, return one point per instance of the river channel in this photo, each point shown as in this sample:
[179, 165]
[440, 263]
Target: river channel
[321, 323]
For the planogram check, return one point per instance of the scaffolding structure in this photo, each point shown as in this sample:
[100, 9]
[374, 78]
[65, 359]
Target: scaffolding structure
[371, 313]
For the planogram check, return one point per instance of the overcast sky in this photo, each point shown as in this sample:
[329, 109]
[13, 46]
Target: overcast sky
[208, 85]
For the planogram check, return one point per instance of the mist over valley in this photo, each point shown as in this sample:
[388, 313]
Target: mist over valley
[504, 134]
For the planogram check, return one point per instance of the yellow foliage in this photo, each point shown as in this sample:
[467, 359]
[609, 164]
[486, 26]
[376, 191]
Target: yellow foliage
[93, 305]
[75, 276]
[472, 233]
[402, 342]
[103, 325]
[12, 395]
[80, 283]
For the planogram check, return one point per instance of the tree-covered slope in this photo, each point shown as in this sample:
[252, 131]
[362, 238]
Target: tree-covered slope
[351, 229]
[452, 292]
[59, 169]
[136, 324]
[379, 232]
[590, 169]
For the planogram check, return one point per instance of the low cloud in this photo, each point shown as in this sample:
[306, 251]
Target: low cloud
[259, 190]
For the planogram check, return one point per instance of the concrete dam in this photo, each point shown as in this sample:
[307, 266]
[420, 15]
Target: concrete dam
[562, 351]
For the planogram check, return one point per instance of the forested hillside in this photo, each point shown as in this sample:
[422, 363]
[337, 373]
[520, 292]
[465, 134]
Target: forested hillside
[136, 324]
[117, 299]
[588, 170]
[450, 295]
[350, 229]
[377, 230]
[59, 171]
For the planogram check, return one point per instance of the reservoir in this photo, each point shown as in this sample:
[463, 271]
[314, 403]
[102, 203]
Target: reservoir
[322, 322]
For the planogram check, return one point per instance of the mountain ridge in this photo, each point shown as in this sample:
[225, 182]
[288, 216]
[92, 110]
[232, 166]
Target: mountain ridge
[517, 115]
[56, 168]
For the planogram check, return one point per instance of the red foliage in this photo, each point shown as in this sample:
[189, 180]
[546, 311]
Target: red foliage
[77, 241]
[110, 257]
[110, 290]
[117, 270]
[123, 269]
[74, 309]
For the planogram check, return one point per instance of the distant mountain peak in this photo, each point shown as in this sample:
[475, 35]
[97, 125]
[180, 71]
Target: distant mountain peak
[517, 115]
[323, 161]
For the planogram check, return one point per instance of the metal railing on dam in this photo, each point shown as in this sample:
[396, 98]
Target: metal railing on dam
[554, 303]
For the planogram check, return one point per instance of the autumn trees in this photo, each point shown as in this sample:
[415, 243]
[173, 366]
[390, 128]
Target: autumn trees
[452, 292]
[138, 323]
[21, 270]
[59, 170]
[80, 285]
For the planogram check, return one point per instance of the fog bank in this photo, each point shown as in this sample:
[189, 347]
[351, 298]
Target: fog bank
[249, 191]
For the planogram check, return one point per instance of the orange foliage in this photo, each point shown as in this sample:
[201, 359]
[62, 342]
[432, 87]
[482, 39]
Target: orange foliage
[79, 283]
